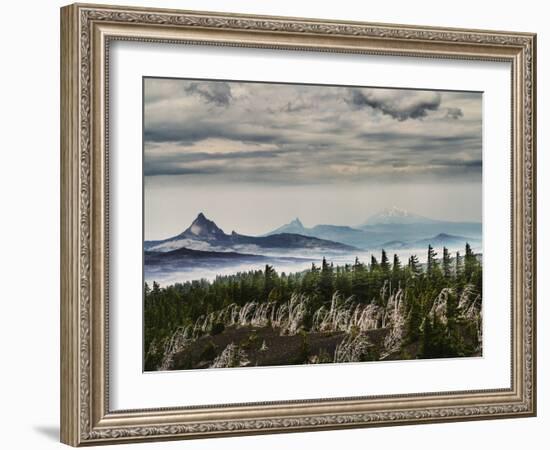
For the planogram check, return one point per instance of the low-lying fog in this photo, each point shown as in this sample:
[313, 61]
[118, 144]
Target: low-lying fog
[188, 272]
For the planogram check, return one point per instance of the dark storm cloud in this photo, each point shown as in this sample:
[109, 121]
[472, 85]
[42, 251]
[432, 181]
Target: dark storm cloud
[218, 93]
[473, 165]
[404, 137]
[285, 134]
[184, 163]
[188, 133]
[296, 106]
[454, 113]
[442, 144]
[409, 105]
[155, 168]
[413, 147]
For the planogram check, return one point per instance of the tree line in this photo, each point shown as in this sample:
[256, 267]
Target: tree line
[182, 304]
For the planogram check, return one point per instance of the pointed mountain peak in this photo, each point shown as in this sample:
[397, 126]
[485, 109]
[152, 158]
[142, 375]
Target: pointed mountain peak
[294, 226]
[202, 227]
[297, 222]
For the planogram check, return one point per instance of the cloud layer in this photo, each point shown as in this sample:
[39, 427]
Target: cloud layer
[229, 132]
[399, 104]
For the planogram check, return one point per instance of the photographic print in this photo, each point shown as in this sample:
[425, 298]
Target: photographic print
[288, 224]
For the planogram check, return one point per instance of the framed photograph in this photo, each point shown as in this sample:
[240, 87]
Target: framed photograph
[275, 224]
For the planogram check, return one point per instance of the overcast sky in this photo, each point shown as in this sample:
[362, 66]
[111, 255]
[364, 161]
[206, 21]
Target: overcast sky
[253, 156]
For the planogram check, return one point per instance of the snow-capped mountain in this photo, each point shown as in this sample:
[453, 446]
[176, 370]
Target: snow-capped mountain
[395, 226]
[204, 235]
[396, 215]
[204, 248]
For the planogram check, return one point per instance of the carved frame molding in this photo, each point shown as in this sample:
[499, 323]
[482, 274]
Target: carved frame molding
[86, 32]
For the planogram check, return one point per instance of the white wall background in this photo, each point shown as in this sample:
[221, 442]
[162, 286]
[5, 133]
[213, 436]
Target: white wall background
[29, 224]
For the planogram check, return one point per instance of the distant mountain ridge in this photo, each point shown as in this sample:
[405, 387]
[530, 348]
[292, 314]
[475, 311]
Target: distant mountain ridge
[338, 233]
[395, 225]
[391, 228]
[204, 235]
[295, 226]
[203, 249]
[187, 259]
[440, 240]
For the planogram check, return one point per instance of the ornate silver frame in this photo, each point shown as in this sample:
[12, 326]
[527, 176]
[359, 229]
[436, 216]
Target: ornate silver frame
[86, 31]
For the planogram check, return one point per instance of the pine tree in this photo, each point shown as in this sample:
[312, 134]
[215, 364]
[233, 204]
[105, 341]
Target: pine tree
[446, 263]
[414, 316]
[156, 287]
[414, 266]
[469, 262]
[385, 263]
[269, 279]
[396, 274]
[431, 260]
[396, 268]
[359, 281]
[373, 263]
[426, 343]
[310, 283]
[458, 266]
[326, 282]
[343, 281]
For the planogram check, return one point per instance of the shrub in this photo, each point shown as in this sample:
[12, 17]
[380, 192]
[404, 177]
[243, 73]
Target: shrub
[217, 328]
[209, 352]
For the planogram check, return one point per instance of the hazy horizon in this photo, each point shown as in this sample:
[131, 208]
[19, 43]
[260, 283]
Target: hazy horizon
[228, 216]
[254, 156]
